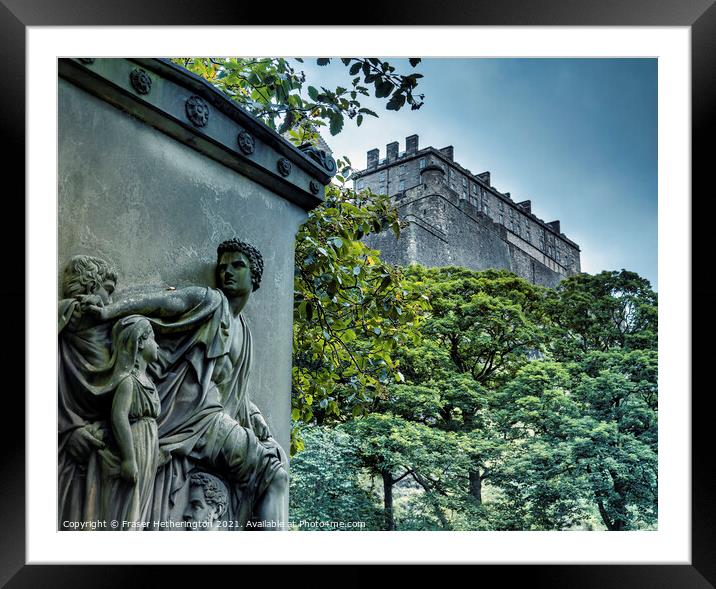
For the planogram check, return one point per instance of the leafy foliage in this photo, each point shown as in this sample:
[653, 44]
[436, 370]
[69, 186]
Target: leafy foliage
[602, 311]
[272, 89]
[351, 311]
[513, 417]
[325, 484]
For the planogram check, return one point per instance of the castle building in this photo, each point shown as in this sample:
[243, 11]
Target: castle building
[457, 218]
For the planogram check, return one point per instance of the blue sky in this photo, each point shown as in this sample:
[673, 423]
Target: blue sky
[578, 137]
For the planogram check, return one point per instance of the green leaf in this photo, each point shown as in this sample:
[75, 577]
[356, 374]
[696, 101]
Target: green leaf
[383, 88]
[313, 93]
[336, 123]
[286, 124]
[367, 111]
[396, 102]
[323, 61]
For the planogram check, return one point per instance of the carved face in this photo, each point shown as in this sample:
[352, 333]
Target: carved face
[199, 512]
[234, 274]
[150, 351]
[105, 291]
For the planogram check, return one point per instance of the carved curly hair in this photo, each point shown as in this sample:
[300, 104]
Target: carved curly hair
[215, 492]
[85, 275]
[256, 261]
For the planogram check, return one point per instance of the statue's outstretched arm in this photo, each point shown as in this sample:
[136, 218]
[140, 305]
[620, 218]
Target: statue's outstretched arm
[166, 303]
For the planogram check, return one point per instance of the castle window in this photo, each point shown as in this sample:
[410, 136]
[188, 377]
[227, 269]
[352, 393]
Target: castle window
[360, 184]
[464, 181]
[502, 219]
[382, 178]
[401, 169]
[421, 163]
[401, 185]
[500, 205]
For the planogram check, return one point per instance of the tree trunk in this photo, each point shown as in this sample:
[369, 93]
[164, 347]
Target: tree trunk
[476, 485]
[616, 525]
[441, 515]
[389, 519]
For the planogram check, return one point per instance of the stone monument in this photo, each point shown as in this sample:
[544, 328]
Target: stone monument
[175, 206]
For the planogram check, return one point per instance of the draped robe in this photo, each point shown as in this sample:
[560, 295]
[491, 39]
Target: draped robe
[198, 417]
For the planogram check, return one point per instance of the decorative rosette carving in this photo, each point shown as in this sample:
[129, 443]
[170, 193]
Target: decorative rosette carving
[284, 166]
[246, 142]
[141, 81]
[315, 187]
[197, 110]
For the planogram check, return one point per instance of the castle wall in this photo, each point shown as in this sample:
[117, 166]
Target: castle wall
[530, 238]
[445, 230]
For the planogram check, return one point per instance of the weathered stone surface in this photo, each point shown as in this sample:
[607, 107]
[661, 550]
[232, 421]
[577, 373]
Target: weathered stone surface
[458, 218]
[156, 210]
[444, 230]
[153, 205]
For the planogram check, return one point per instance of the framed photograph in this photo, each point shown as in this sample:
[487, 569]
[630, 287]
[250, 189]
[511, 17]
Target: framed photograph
[49, 46]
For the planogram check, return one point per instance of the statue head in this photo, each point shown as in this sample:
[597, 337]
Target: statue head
[132, 339]
[208, 501]
[87, 275]
[253, 257]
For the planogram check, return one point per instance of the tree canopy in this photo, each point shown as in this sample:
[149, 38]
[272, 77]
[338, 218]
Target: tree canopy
[506, 420]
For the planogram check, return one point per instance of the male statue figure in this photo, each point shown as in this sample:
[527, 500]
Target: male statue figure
[207, 503]
[201, 376]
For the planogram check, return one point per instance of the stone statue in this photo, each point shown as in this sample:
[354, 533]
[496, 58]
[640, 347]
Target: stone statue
[108, 406]
[84, 352]
[201, 374]
[128, 481]
[207, 503]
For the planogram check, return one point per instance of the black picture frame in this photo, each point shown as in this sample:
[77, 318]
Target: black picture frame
[16, 15]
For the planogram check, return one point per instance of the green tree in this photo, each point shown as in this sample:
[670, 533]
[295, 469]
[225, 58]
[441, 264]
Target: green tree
[325, 482]
[435, 428]
[540, 482]
[602, 311]
[565, 434]
[617, 443]
[583, 431]
[483, 326]
[351, 310]
[394, 449]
